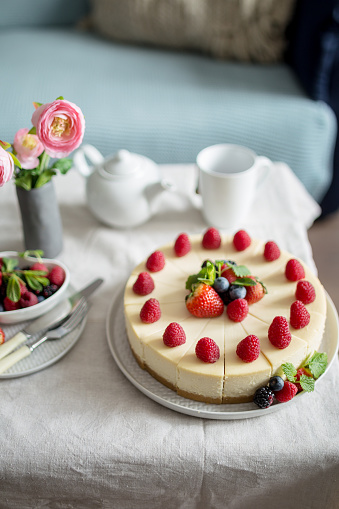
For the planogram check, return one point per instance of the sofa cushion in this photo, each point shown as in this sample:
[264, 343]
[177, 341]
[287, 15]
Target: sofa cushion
[41, 12]
[246, 30]
[164, 104]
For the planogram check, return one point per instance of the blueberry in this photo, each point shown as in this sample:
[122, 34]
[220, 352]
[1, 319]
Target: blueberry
[40, 298]
[221, 284]
[2, 309]
[276, 383]
[237, 292]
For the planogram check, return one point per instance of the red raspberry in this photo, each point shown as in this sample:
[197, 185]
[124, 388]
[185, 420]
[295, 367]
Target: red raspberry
[294, 270]
[156, 261]
[174, 335]
[305, 292]
[207, 350]
[23, 287]
[279, 332]
[249, 348]
[286, 393]
[228, 273]
[144, 284]
[241, 240]
[271, 251]
[2, 336]
[211, 239]
[10, 305]
[150, 311]
[57, 276]
[300, 372]
[39, 266]
[182, 245]
[28, 299]
[299, 316]
[237, 310]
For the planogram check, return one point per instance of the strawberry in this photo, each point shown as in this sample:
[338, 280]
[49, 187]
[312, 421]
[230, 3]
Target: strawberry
[241, 240]
[182, 245]
[279, 332]
[211, 239]
[299, 316]
[204, 302]
[237, 310]
[156, 261]
[287, 392]
[2, 336]
[249, 348]
[255, 293]
[207, 350]
[174, 335]
[228, 273]
[305, 292]
[294, 270]
[271, 251]
[144, 284]
[150, 311]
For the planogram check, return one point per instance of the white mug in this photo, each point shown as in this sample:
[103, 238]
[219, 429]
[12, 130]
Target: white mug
[229, 176]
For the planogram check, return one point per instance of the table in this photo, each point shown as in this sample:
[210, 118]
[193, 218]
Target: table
[80, 435]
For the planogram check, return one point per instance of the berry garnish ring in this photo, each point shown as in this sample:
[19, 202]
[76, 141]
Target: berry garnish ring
[33, 300]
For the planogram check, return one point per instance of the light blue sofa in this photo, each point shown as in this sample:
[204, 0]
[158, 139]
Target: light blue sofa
[164, 104]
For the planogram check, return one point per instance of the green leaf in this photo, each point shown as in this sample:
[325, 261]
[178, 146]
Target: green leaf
[244, 281]
[24, 181]
[9, 264]
[290, 371]
[38, 253]
[13, 288]
[317, 364]
[240, 270]
[60, 98]
[307, 383]
[63, 165]
[43, 280]
[44, 177]
[15, 160]
[32, 130]
[5, 145]
[191, 280]
[33, 282]
[36, 104]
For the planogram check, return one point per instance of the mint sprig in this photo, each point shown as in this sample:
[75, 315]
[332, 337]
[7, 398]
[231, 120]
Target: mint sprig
[14, 277]
[290, 371]
[206, 275]
[317, 364]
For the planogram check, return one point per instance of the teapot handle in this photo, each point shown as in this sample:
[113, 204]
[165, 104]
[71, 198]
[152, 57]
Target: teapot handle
[80, 161]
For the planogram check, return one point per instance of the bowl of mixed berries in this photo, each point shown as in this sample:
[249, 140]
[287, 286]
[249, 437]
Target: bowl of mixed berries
[29, 285]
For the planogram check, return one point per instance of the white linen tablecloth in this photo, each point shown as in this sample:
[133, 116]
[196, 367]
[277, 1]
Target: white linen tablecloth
[80, 435]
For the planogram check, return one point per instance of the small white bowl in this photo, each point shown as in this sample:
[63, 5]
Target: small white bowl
[20, 315]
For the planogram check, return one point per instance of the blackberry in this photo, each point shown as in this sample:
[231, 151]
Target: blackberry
[263, 397]
[49, 290]
[276, 383]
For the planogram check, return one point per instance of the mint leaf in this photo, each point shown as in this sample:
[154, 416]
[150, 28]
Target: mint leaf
[317, 364]
[244, 281]
[289, 371]
[33, 282]
[219, 264]
[38, 253]
[241, 270]
[13, 288]
[307, 383]
[191, 280]
[9, 264]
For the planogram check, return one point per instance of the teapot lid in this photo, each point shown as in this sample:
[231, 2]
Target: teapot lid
[122, 163]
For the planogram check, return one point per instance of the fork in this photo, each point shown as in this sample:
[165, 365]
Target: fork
[75, 318]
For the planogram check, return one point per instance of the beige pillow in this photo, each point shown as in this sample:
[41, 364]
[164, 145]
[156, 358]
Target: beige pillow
[245, 30]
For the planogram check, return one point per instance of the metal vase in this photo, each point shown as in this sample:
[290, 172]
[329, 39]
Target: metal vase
[41, 220]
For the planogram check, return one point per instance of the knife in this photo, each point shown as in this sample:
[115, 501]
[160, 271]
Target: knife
[49, 320]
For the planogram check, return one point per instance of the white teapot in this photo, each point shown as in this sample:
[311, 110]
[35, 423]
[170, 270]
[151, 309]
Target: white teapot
[121, 188]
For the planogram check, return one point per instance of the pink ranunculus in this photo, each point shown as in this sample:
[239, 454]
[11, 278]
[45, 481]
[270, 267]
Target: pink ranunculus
[60, 125]
[28, 147]
[6, 167]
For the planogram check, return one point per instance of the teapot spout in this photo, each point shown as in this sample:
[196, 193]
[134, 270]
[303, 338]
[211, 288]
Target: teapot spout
[154, 190]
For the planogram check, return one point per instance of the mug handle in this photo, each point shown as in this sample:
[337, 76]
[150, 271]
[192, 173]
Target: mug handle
[266, 166]
[80, 161]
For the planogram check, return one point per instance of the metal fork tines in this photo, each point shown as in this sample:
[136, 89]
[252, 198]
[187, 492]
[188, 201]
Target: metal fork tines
[75, 318]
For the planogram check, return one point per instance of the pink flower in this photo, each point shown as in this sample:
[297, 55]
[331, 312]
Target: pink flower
[6, 167]
[28, 147]
[60, 126]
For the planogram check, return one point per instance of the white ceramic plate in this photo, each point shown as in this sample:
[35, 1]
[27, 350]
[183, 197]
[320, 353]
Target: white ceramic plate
[142, 380]
[46, 354]
[24, 314]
